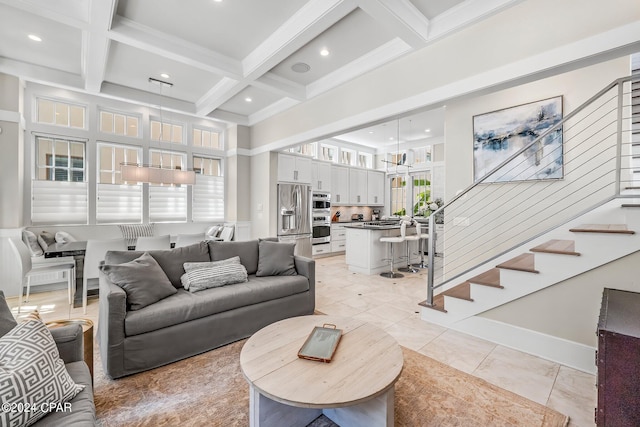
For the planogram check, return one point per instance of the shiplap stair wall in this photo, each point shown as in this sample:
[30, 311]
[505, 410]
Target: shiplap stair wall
[605, 234]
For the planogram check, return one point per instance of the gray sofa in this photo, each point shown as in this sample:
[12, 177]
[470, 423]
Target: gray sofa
[68, 339]
[188, 323]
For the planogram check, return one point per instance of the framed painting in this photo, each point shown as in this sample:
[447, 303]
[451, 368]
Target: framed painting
[498, 135]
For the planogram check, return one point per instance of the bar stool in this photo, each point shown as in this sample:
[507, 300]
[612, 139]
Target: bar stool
[391, 274]
[423, 238]
[411, 238]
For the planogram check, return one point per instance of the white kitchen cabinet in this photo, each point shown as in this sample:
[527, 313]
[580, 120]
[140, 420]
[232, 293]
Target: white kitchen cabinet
[339, 185]
[358, 186]
[324, 248]
[375, 188]
[321, 176]
[294, 169]
[338, 237]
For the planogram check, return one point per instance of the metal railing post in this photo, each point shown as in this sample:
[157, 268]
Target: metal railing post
[619, 138]
[431, 259]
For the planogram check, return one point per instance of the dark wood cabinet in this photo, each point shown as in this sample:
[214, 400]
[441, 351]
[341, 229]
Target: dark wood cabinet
[618, 359]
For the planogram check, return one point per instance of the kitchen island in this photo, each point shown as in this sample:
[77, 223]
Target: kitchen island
[367, 255]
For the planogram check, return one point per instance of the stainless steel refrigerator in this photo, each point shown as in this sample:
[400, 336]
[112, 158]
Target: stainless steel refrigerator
[294, 216]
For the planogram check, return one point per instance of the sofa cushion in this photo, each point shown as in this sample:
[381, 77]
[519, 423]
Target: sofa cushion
[32, 373]
[185, 306]
[205, 275]
[171, 260]
[83, 410]
[276, 259]
[46, 239]
[142, 279]
[7, 322]
[246, 250]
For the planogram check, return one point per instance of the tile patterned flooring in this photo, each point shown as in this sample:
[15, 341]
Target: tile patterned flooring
[392, 305]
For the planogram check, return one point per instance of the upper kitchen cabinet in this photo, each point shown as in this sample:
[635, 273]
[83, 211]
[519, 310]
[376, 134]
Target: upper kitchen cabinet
[358, 186]
[339, 185]
[321, 176]
[375, 188]
[294, 169]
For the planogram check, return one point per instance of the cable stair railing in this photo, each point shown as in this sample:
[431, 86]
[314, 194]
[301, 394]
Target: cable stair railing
[508, 207]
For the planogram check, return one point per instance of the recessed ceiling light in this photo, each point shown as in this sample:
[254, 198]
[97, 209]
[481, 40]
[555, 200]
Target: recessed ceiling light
[324, 51]
[427, 130]
[248, 99]
[218, 1]
[165, 76]
[370, 131]
[390, 138]
[300, 67]
[35, 38]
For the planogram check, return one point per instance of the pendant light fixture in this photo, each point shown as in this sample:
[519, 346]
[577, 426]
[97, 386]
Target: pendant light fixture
[156, 174]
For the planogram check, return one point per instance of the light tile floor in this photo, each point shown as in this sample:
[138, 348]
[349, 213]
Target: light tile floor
[392, 304]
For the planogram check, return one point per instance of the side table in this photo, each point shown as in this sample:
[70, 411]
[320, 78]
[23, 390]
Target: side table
[87, 337]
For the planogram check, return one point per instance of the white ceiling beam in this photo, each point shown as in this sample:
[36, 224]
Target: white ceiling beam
[141, 37]
[281, 86]
[149, 99]
[271, 110]
[310, 21]
[465, 14]
[225, 89]
[40, 74]
[63, 17]
[228, 117]
[95, 44]
[400, 17]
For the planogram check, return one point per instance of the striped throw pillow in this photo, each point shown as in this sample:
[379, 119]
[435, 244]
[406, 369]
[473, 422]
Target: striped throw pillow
[205, 275]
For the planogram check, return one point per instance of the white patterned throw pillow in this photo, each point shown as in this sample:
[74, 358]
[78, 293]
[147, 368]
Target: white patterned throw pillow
[205, 275]
[33, 378]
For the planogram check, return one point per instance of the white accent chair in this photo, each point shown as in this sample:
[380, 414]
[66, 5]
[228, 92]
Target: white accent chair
[149, 243]
[391, 274]
[227, 233]
[27, 269]
[93, 256]
[189, 239]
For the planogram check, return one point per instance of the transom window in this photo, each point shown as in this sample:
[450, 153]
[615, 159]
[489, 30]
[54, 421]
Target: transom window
[166, 132]
[60, 113]
[206, 138]
[110, 157]
[207, 166]
[119, 124]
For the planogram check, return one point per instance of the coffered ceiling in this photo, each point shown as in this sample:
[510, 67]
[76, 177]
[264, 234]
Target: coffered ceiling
[237, 61]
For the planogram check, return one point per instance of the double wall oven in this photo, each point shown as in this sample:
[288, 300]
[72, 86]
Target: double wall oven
[321, 217]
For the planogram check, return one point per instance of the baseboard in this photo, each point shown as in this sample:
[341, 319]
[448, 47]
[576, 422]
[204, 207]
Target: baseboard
[555, 349]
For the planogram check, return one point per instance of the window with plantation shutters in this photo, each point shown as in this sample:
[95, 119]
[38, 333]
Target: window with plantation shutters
[59, 190]
[117, 202]
[208, 192]
[167, 203]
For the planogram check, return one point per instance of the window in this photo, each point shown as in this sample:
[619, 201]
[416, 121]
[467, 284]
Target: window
[116, 201]
[365, 160]
[347, 157]
[421, 192]
[398, 195]
[119, 124]
[208, 193]
[206, 139]
[421, 155]
[60, 113]
[59, 190]
[328, 153]
[308, 149]
[166, 132]
[168, 203]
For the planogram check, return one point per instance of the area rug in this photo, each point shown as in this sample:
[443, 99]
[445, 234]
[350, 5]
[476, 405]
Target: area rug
[210, 390]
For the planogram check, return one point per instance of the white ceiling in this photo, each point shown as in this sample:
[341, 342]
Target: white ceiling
[219, 53]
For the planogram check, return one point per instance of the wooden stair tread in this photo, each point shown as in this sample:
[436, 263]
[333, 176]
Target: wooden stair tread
[488, 278]
[523, 262]
[461, 291]
[555, 246]
[603, 228]
[438, 303]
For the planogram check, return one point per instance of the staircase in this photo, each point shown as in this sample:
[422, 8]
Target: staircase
[560, 254]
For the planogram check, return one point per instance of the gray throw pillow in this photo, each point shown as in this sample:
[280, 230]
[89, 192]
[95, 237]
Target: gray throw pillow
[31, 241]
[276, 259]
[46, 239]
[142, 279]
[246, 250]
[7, 322]
[206, 275]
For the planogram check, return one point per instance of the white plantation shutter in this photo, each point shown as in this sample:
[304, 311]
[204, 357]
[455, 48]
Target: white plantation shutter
[208, 198]
[167, 203]
[118, 204]
[59, 202]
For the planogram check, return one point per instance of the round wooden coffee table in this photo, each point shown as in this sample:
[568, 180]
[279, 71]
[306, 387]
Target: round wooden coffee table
[355, 389]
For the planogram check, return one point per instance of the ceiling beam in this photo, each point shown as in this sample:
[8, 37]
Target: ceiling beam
[63, 13]
[281, 86]
[40, 74]
[95, 44]
[401, 18]
[225, 89]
